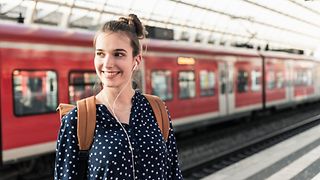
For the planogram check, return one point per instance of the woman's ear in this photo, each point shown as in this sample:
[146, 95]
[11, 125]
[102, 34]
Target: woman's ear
[138, 59]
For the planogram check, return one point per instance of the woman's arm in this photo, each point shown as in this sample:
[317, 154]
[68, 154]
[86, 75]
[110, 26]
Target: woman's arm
[66, 164]
[174, 169]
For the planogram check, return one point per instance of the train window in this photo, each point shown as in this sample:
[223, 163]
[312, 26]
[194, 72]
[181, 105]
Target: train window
[207, 83]
[187, 84]
[303, 77]
[271, 79]
[256, 80]
[34, 92]
[280, 80]
[230, 80]
[300, 78]
[223, 81]
[161, 82]
[81, 85]
[242, 84]
[309, 78]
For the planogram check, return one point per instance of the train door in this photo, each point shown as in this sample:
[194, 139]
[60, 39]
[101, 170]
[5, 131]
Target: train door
[230, 89]
[226, 95]
[289, 80]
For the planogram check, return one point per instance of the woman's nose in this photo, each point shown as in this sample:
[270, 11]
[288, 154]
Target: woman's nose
[108, 61]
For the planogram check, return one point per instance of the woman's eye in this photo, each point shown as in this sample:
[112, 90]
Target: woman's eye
[117, 54]
[99, 53]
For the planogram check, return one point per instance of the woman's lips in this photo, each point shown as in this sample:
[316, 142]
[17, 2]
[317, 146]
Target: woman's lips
[110, 74]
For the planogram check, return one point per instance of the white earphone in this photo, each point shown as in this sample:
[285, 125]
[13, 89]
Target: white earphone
[135, 66]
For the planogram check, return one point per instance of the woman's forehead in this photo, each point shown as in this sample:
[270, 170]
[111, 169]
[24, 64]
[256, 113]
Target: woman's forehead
[113, 40]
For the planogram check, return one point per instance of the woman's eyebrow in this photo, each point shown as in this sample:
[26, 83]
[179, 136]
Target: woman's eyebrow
[120, 50]
[116, 50]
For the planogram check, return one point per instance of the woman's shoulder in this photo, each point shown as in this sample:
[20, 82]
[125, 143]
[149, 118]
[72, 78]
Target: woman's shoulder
[70, 117]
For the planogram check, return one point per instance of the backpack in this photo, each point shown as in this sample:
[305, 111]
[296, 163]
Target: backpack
[87, 122]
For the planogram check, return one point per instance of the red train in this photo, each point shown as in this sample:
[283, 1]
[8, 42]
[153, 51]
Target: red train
[41, 67]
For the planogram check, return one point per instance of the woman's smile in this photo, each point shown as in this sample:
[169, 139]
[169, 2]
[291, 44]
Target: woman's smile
[111, 74]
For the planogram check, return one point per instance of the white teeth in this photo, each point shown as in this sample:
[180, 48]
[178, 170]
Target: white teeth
[110, 74]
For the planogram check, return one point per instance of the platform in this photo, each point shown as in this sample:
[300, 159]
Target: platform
[297, 158]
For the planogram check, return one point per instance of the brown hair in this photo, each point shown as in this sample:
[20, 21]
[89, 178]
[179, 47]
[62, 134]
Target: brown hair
[131, 26]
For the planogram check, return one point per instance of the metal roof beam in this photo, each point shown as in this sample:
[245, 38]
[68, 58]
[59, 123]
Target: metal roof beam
[305, 7]
[282, 13]
[252, 20]
[66, 16]
[31, 9]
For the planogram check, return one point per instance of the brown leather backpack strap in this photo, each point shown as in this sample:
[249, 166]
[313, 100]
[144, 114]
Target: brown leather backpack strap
[161, 114]
[86, 122]
[64, 109]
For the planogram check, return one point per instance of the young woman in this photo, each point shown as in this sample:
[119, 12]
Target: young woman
[128, 143]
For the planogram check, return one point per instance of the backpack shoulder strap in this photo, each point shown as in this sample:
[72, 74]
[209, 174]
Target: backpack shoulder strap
[161, 114]
[64, 109]
[86, 122]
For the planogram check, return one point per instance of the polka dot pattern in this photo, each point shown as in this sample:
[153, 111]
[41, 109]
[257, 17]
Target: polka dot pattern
[110, 156]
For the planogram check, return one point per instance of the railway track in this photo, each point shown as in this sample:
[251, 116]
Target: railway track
[40, 168]
[204, 158]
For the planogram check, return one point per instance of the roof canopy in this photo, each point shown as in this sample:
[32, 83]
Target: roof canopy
[278, 23]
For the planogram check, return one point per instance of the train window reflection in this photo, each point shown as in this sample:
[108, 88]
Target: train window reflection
[242, 84]
[271, 79]
[230, 80]
[81, 85]
[207, 83]
[256, 80]
[280, 80]
[35, 92]
[187, 84]
[161, 82]
[303, 77]
[275, 80]
[223, 81]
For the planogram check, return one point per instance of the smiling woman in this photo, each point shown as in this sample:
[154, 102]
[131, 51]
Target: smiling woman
[128, 143]
[114, 61]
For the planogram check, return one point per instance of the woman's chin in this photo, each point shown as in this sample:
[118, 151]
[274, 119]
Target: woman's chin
[109, 85]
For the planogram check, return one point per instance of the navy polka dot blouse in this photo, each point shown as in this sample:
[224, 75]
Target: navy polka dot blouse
[110, 156]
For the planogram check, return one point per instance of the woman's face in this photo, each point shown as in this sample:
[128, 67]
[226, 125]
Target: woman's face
[113, 59]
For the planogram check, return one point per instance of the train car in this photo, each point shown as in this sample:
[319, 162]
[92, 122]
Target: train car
[36, 67]
[42, 67]
[290, 79]
[200, 83]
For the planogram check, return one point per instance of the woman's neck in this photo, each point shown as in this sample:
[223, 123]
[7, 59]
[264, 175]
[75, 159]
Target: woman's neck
[108, 96]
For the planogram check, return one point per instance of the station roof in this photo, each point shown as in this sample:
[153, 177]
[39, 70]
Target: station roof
[277, 23]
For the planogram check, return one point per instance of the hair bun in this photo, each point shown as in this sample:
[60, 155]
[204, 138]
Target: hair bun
[133, 21]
